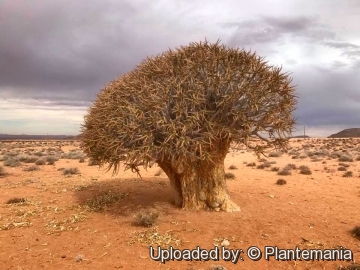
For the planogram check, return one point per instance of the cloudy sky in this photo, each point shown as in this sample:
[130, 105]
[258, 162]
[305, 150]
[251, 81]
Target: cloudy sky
[55, 56]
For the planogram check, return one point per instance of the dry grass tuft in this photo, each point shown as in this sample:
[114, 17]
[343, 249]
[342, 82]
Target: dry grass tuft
[217, 267]
[12, 225]
[233, 167]
[153, 237]
[354, 266]
[56, 226]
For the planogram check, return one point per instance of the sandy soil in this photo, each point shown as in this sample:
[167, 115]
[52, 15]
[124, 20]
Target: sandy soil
[59, 224]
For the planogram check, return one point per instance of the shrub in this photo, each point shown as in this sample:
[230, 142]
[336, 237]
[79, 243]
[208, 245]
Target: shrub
[40, 161]
[356, 232]
[305, 170]
[72, 155]
[16, 200]
[229, 176]
[70, 171]
[273, 162]
[13, 154]
[291, 166]
[39, 154]
[267, 164]
[81, 160]
[93, 163]
[346, 159]
[344, 164]
[342, 168]
[284, 171]
[51, 160]
[251, 164]
[275, 154]
[233, 167]
[12, 162]
[31, 168]
[2, 171]
[275, 169]
[146, 218]
[348, 174]
[281, 182]
[28, 159]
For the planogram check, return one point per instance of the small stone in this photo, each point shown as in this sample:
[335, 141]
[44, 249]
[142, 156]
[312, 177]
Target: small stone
[214, 204]
[271, 196]
[225, 243]
[63, 256]
[79, 258]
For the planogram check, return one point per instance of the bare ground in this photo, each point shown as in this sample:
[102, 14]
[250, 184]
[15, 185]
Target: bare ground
[86, 220]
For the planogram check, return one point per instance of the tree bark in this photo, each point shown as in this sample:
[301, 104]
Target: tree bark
[201, 184]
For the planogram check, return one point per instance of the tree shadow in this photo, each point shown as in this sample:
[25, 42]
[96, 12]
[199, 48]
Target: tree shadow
[141, 193]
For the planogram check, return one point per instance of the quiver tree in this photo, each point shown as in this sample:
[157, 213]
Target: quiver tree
[182, 109]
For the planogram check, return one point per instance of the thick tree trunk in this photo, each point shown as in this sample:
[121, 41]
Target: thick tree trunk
[201, 184]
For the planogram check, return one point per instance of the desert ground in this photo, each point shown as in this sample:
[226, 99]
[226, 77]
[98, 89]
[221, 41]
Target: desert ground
[59, 211]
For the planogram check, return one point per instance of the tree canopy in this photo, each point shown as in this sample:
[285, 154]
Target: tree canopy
[180, 104]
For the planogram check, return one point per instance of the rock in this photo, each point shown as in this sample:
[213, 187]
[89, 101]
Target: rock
[225, 243]
[214, 204]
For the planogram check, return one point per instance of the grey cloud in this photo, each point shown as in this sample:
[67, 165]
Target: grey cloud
[352, 53]
[271, 30]
[341, 45]
[65, 46]
[338, 64]
[349, 50]
[327, 97]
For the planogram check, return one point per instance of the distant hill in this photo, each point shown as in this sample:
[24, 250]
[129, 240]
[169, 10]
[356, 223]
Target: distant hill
[347, 133]
[36, 137]
[73, 138]
[300, 136]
